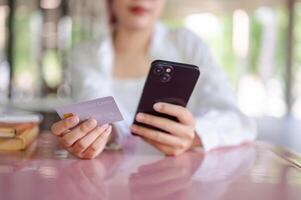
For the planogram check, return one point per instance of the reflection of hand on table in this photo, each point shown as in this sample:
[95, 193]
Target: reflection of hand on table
[86, 179]
[166, 178]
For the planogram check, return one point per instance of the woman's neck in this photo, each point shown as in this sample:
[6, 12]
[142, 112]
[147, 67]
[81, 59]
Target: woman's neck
[127, 40]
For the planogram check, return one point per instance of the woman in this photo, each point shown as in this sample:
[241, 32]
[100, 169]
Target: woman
[117, 65]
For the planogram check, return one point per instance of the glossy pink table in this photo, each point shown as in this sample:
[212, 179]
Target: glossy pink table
[252, 171]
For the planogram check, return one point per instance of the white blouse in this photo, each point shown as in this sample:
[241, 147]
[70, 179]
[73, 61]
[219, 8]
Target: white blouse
[219, 122]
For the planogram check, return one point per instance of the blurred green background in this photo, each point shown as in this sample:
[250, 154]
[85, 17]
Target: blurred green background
[249, 40]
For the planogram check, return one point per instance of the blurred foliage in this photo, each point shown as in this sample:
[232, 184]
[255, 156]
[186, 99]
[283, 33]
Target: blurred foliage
[281, 48]
[23, 51]
[227, 58]
[173, 23]
[52, 70]
[297, 56]
[79, 34]
[26, 57]
[255, 43]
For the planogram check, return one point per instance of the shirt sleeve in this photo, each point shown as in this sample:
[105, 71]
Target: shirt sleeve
[219, 121]
[87, 80]
[84, 73]
[122, 128]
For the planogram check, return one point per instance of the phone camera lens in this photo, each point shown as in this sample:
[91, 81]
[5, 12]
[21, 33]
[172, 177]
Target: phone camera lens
[165, 78]
[159, 70]
[168, 69]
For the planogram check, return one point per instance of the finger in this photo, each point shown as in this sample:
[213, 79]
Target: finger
[98, 145]
[167, 189]
[157, 136]
[63, 125]
[182, 113]
[82, 144]
[167, 150]
[80, 131]
[64, 133]
[159, 176]
[88, 174]
[83, 182]
[96, 171]
[167, 125]
[165, 163]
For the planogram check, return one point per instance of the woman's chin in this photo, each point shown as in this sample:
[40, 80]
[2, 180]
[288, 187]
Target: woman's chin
[139, 25]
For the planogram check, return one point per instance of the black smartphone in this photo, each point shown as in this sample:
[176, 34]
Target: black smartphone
[168, 82]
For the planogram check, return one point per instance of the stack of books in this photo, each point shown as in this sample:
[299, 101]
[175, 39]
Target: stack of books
[15, 161]
[18, 130]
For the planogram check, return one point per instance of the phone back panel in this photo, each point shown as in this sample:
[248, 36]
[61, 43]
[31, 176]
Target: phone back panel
[168, 82]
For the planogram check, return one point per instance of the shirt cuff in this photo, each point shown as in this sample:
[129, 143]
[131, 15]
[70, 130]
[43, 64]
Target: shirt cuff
[122, 133]
[207, 134]
[228, 128]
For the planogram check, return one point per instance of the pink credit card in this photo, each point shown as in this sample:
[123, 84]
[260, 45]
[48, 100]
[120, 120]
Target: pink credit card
[104, 110]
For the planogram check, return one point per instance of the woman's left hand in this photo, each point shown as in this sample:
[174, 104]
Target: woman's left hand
[178, 137]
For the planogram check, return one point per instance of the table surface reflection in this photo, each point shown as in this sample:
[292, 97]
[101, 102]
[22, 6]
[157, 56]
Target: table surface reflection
[250, 171]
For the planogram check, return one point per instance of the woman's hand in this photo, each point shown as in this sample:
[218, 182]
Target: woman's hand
[178, 137]
[85, 140]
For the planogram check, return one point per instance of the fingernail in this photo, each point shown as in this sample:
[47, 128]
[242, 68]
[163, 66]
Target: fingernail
[68, 115]
[157, 106]
[73, 119]
[133, 128]
[109, 128]
[140, 117]
[105, 126]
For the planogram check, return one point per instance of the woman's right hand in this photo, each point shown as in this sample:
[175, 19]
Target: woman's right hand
[85, 140]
